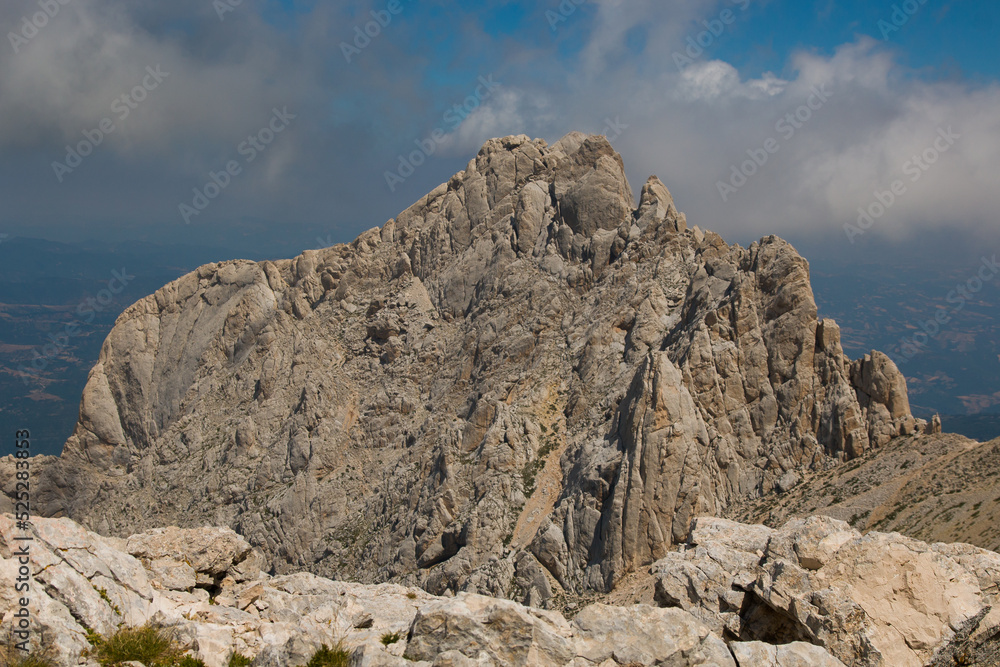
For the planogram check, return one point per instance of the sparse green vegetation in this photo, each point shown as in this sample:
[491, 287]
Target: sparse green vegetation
[859, 518]
[26, 660]
[354, 535]
[532, 468]
[238, 660]
[150, 645]
[390, 638]
[894, 513]
[338, 656]
[40, 655]
[103, 592]
[92, 636]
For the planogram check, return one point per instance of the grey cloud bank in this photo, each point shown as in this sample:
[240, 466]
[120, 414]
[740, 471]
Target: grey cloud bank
[249, 149]
[360, 123]
[31, 25]
[122, 106]
[786, 127]
[452, 119]
[915, 168]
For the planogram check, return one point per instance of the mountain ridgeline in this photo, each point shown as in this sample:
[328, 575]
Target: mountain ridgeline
[524, 385]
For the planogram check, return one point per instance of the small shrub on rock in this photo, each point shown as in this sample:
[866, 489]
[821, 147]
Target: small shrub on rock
[150, 645]
[238, 660]
[390, 638]
[42, 654]
[338, 656]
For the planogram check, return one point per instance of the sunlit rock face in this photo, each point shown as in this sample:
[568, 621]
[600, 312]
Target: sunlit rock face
[525, 384]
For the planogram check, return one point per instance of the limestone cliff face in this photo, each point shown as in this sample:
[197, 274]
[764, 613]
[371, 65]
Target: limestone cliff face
[523, 383]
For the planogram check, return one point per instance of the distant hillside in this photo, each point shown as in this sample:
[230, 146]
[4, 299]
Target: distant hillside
[940, 488]
[977, 427]
[57, 304]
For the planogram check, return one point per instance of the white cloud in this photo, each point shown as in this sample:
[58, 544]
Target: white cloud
[691, 128]
[504, 112]
[66, 79]
[715, 79]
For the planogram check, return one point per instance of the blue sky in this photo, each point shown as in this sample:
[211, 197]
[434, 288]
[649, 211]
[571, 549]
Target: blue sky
[940, 39]
[555, 70]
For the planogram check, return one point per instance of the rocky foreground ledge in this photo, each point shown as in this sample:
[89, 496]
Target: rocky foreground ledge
[815, 592]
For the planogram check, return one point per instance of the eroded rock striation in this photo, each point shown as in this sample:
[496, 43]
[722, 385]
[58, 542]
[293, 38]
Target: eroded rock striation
[524, 385]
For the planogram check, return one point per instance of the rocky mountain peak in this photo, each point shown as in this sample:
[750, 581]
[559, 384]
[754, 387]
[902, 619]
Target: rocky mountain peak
[523, 385]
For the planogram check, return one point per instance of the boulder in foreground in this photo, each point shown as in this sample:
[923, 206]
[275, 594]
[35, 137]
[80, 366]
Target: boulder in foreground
[874, 599]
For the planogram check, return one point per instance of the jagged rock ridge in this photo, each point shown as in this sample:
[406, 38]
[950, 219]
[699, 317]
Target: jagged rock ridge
[523, 385]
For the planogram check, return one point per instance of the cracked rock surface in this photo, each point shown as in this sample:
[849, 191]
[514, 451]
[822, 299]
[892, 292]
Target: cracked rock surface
[870, 600]
[814, 593]
[81, 581]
